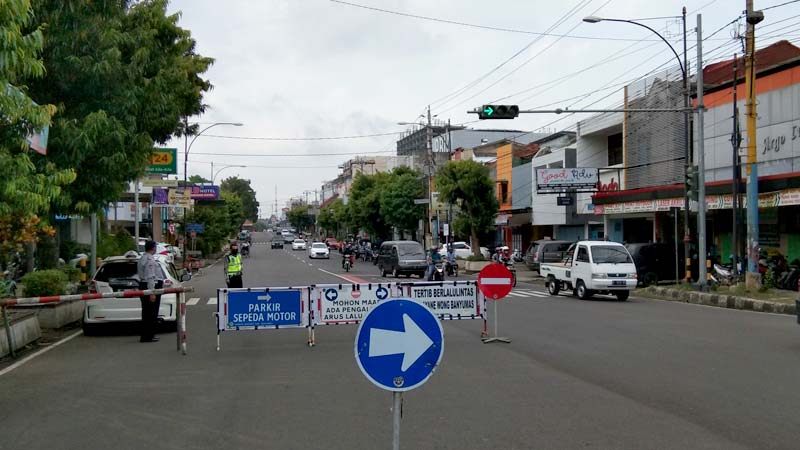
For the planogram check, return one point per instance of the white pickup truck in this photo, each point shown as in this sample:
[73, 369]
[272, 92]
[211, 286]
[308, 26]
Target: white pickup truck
[592, 267]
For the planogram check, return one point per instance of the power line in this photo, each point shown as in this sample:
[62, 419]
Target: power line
[321, 138]
[778, 6]
[484, 27]
[284, 155]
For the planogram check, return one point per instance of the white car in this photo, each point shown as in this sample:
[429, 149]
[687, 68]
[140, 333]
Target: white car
[118, 273]
[463, 250]
[161, 249]
[298, 244]
[319, 250]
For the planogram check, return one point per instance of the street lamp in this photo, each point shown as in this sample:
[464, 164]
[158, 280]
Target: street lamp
[188, 146]
[687, 137]
[214, 174]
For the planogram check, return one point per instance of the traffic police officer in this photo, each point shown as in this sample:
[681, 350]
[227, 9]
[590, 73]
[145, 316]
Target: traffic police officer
[148, 271]
[233, 267]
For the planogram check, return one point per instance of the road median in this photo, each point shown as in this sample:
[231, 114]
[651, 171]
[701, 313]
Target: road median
[778, 305]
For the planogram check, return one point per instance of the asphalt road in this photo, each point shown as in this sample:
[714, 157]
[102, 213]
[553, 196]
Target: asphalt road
[601, 374]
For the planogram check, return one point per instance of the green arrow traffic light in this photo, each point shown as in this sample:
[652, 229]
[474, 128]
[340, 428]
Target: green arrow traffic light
[498, 112]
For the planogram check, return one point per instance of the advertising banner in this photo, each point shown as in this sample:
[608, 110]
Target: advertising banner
[163, 161]
[573, 180]
[205, 192]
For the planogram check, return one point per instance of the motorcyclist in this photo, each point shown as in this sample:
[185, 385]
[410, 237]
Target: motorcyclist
[451, 259]
[348, 252]
[433, 259]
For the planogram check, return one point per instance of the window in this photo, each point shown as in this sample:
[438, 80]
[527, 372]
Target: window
[583, 254]
[503, 192]
[615, 149]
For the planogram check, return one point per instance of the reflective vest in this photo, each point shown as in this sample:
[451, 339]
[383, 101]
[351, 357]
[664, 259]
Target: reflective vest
[234, 264]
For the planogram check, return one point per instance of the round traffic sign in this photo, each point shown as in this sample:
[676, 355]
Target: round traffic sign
[495, 281]
[399, 344]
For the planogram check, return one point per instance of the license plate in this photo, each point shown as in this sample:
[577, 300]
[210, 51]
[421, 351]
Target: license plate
[618, 283]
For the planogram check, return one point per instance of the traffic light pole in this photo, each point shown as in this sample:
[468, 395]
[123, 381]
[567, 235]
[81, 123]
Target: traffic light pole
[702, 277]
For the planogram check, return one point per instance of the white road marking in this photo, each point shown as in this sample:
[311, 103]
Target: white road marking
[39, 353]
[517, 294]
[212, 301]
[193, 301]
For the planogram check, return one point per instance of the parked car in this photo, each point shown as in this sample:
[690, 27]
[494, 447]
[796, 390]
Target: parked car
[545, 251]
[592, 267]
[119, 273]
[298, 244]
[656, 262]
[318, 250]
[175, 251]
[463, 250]
[277, 242]
[402, 258]
[332, 243]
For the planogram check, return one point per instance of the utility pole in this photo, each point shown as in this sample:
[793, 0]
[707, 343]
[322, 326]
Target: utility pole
[736, 142]
[753, 278]
[702, 258]
[687, 159]
[429, 142]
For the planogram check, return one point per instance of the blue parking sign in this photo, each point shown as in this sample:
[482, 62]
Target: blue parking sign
[262, 309]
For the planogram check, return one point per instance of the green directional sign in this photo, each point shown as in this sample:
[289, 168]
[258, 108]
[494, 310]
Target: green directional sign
[163, 161]
[498, 112]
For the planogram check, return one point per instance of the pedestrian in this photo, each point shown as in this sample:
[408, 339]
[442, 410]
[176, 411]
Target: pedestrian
[233, 267]
[149, 278]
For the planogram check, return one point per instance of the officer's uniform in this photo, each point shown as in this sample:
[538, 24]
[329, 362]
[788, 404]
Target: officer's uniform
[233, 270]
[148, 272]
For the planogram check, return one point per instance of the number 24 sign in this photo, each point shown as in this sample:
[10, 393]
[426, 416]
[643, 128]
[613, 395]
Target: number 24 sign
[163, 161]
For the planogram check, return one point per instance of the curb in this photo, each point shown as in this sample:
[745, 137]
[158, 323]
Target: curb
[722, 300]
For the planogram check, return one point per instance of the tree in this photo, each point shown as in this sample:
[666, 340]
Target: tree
[120, 89]
[221, 221]
[397, 200]
[25, 192]
[197, 179]
[365, 203]
[246, 194]
[336, 219]
[468, 182]
[299, 218]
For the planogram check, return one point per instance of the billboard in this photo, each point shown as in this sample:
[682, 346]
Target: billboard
[579, 179]
[205, 192]
[163, 161]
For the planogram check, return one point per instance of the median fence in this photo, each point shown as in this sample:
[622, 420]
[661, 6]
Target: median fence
[276, 308]
[181, 319]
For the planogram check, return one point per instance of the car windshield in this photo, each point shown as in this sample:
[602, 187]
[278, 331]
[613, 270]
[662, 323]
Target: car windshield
[120, 270]
[410, 250]
[299, 241]
[610, 254]
[319, 245]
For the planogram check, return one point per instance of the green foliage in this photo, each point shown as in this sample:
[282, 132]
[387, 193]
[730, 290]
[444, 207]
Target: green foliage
[73, 273]
[114, 244]
[221, 221]
[197, 179]
[123, 74]
[397, 200]
[468, 182]
[68, 249]
[246, 194]
[769, 280]
[45, 282]
[299, 218]
[365, 203]
[26, 191]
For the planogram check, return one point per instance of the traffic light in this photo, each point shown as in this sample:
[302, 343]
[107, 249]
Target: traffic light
[691, 182]
[498, 112]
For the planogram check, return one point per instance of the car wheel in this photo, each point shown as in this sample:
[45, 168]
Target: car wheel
[383, 272]
[89, 329]
[650, 278]
[395, 273]
[581, 291]
[552, 285]
[623, 295]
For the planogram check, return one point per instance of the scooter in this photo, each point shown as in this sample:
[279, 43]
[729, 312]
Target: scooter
[517, 255]
[451, 269]
[438, 272]
[348, 262]
[245, 250]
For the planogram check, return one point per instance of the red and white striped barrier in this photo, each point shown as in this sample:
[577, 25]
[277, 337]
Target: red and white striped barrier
[96, 296]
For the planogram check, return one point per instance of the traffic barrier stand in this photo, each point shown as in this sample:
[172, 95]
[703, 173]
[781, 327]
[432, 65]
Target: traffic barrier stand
[181, 319]
[449, 300]
[261, 308]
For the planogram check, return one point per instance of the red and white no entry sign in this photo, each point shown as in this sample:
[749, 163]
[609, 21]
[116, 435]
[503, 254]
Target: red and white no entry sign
[495, 281]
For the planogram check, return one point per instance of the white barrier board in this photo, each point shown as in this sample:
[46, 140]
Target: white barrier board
[448, 300]
[346, 304]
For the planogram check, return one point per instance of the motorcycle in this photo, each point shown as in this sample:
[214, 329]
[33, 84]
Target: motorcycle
[438, 272]
[723, 275]
[451, 268]
[245, 250]
[517, 255]
[348, 261]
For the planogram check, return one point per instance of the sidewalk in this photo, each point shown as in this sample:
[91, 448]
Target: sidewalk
[779, 302]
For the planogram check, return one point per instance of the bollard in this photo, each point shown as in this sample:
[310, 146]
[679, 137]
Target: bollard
[688, 270]
[9, 334]
[82, 264]
[708, 270]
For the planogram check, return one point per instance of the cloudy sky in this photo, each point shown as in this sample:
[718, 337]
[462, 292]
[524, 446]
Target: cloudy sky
[322, 68]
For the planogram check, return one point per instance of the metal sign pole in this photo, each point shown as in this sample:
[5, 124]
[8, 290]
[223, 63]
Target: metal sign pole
[397, 405]
[496, 337]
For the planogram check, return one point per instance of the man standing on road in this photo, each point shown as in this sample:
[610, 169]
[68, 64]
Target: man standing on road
[148, 272]
[233, 267]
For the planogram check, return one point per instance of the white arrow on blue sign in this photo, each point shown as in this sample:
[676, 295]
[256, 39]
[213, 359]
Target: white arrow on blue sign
[399, 344]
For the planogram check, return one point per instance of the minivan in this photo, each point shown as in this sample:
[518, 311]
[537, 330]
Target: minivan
[547, 251]
[402, 258]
